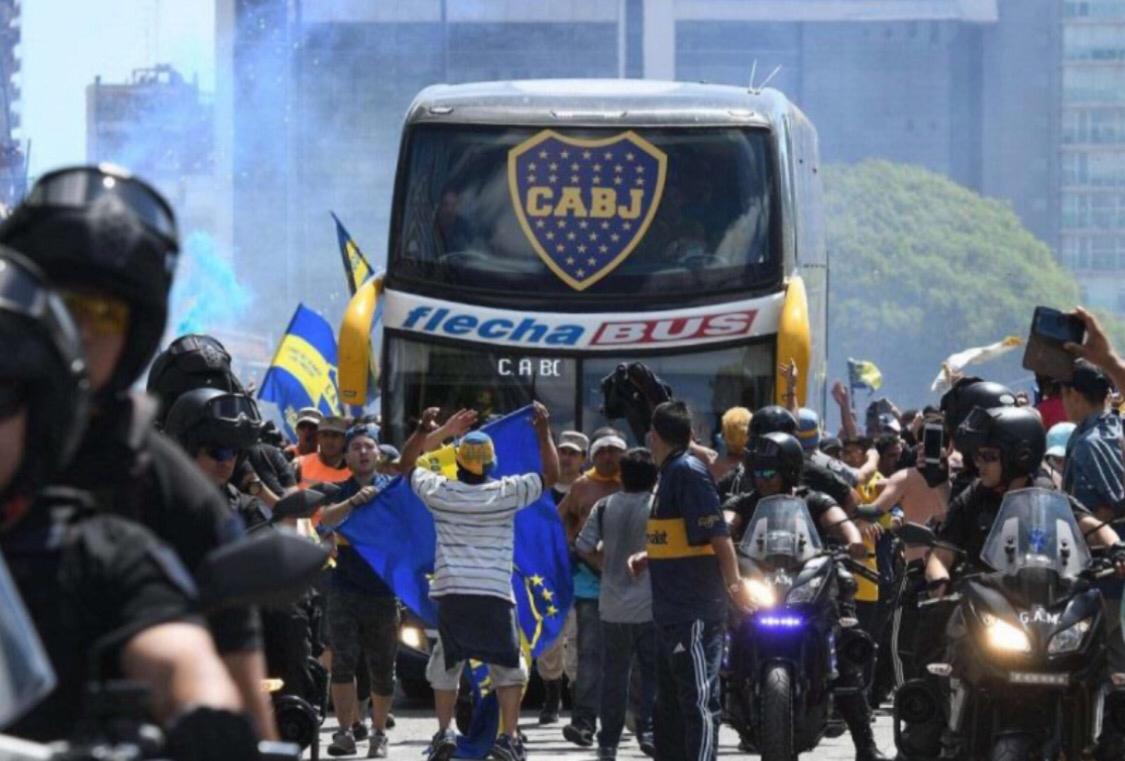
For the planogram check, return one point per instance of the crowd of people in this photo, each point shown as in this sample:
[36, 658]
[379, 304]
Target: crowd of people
[113, 501]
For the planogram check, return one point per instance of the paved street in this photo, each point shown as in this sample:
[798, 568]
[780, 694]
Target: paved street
[416, 724]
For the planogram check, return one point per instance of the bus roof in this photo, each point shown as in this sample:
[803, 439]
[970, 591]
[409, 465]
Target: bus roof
[598, 102]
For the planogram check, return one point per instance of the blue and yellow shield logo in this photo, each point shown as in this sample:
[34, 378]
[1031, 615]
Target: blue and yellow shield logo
[585, 204]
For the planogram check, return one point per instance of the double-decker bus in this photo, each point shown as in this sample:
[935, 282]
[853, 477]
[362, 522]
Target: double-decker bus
[545, 231]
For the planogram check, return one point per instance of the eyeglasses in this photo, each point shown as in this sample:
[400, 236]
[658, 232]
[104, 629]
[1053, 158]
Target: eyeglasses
[221, 454]
[765, 474]
[104, 315]
[13, 396]
[82, 186]
[987, 455]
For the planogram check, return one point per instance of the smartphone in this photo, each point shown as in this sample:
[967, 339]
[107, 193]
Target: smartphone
[933, 443]
[1050, 330]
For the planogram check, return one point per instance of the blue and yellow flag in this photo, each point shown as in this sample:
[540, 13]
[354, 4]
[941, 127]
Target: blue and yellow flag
[395, 534]
[303, 370]
[863, 374]
[356, 267]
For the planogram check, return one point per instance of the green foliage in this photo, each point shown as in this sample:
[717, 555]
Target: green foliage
[921, 268]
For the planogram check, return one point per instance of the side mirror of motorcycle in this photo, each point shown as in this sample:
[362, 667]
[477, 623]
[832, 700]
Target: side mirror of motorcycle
[917, 535]
[266, 568]
[299, 504]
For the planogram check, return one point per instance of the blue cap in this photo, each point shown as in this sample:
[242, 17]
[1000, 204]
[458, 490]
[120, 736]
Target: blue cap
[808, 428]
[370, 430]
[1057, 439]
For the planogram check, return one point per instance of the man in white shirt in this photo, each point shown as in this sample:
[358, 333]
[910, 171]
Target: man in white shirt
[474, 517]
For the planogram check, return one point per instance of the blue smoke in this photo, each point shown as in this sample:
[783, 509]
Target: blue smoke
[206, 295]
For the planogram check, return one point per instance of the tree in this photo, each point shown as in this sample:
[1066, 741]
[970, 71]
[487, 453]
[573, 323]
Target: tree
[922, 267]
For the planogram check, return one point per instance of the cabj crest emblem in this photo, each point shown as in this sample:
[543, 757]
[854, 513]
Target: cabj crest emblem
[585, 204]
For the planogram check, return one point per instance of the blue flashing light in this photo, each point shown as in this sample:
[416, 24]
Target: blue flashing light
[780, 622]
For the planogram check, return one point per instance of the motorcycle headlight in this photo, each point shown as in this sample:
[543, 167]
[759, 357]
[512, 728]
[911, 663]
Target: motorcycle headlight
[807, 591]
[1070, 638]
[1004, 636]
[761, 593]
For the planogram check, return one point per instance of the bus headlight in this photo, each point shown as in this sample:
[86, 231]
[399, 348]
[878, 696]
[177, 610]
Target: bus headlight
[1069, 639]
[414, 637]
[1004, 636]
[761, 593]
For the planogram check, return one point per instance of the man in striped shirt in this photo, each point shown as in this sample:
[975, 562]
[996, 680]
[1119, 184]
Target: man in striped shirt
[474, 517]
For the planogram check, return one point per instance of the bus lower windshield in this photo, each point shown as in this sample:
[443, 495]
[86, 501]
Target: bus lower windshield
[495, 381]
[506, 210]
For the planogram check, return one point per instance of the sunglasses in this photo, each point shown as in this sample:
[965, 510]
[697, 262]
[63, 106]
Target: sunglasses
[104, 315]
[765, 474]
[13, 397]
[221, 454]
[987, 455]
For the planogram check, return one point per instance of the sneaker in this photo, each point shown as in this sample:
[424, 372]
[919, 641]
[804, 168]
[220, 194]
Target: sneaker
[359, 730]
[647, 743]
[442, 746]
[578, 735]
[508, 748]
[343, 743]
[607, 754]
[378, 747]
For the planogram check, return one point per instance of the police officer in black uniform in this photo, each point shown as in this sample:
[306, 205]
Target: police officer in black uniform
[774, 466]
[215, 427]
[108, 241]
[966, 395]
[107, 598]
[776, 419]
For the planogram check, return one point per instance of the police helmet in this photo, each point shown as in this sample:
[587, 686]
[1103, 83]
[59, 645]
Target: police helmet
[210, 417]
[1016, 431]
[190, 362]
[777, 451]
[43, 371]
[99, 227]
[966, 394]
[770, 419]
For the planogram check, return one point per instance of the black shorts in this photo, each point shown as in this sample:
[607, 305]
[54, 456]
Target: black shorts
[361, 622]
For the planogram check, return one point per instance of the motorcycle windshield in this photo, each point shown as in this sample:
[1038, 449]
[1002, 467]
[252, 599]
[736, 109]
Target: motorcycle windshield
[26, 675]
[781, 528]
[1035, 528]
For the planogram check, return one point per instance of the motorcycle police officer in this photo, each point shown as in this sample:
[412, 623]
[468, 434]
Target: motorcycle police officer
[774, 464]
[107, 598]
[109, 242]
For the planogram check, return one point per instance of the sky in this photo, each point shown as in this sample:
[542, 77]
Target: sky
[66, 43]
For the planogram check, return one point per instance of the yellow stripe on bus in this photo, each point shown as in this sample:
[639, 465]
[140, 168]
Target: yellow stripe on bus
[667, 540]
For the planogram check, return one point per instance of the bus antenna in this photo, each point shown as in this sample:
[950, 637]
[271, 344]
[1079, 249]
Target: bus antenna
[753, 71]
[769, 78]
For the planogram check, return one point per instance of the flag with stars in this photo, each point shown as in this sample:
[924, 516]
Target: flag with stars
[585, 204]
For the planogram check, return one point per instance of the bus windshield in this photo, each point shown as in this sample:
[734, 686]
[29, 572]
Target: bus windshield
[506, 210]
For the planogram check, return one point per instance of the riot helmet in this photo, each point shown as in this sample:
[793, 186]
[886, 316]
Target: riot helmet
[99, 228]
[780, 452]
[771, 419]
[42, 370]
[1016, 431]
[190, 362]
[967, 393]
[210, 417]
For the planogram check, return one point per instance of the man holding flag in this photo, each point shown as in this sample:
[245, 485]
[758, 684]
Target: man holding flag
[474, 519]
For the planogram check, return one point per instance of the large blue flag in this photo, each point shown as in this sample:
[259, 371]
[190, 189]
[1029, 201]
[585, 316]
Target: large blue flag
[303, 370]
[395, 535]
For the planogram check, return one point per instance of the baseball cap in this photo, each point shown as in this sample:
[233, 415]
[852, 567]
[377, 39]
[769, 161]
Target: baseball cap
[831, 445]
[1089, 379]
[333, 424]
[309, 415]
[369, 430]
[1057, 439]
[574, 440]
[808, 428]
[888, 423]
[604, 442]
[389, 452]
[476, 453]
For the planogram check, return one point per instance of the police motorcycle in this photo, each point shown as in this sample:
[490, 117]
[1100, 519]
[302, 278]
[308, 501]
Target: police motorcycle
[783, 658]
[116, 725]
[1027, 643]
